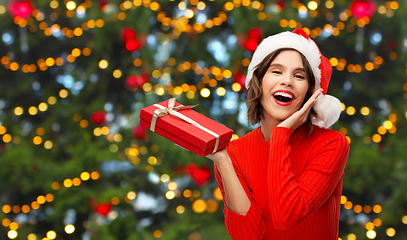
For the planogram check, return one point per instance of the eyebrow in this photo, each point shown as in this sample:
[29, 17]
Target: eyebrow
[279, 65]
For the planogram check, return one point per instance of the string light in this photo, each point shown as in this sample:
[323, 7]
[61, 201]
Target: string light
[131, 195]
[42, 64]
[350, 110]
[187, 193]
[41, 199]
[32, 236]
[172, 186]
[371, 234]
[377, 222]
[12, 234]
[165, 178]
[157, 234]
[180, 209]
[376, 138]
[170, 195]
[391, 232]
[312, 5]
[357, 209]
[205, 92]
[199, 206]
[365, 111]
[69, 229]
[369, 226]
[381, 130]
[51, 234]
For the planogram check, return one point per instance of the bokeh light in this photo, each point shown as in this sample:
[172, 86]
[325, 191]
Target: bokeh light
[12, 234]
[69, 229]
[391, 232]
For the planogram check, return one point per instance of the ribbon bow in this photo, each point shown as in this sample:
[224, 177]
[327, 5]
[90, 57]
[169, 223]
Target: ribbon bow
[172, 110]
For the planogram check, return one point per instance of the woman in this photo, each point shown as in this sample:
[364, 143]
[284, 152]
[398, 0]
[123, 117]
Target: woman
[283, 180]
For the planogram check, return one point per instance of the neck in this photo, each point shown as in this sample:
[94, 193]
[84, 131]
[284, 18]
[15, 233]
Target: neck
[267, 125]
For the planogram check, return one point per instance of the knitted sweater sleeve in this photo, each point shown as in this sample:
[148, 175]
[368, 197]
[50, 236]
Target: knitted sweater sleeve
[241, 227]
[294, 197]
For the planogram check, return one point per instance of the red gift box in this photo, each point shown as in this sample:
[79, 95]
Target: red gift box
[186, 127]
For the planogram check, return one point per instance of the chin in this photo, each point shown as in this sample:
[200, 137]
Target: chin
[283, 114]
[278, 112]
[279, 116]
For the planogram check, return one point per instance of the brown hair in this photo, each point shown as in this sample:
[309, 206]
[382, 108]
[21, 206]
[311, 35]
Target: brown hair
[254, 91]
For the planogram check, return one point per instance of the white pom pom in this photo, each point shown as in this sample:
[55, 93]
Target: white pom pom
[328, 109]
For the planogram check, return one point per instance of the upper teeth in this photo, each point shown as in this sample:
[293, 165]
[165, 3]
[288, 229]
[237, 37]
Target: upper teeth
[283, 94]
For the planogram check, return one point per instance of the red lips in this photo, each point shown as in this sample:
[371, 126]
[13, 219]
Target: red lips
[284, 93]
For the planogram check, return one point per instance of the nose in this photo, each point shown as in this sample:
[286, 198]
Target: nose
[287, 81]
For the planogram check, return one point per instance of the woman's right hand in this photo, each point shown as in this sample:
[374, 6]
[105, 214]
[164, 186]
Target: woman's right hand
[298, 118]
[219, 157]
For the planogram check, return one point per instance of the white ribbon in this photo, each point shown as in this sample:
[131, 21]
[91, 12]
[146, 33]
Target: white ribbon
[172, 110]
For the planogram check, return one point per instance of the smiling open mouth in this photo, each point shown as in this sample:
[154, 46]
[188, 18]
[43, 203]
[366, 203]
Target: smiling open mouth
[283, 97]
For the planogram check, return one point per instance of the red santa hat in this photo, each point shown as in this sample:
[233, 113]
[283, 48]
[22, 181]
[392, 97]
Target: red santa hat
[328, 108]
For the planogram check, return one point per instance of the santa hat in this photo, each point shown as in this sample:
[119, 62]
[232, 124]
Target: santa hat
[328, 108]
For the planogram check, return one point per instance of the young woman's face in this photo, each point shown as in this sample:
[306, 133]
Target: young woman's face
[284, 86]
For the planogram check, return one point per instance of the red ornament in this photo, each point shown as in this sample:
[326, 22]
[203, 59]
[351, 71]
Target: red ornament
[280, 4]
[98, 118]
[132, 83]
[140, 133]
[254, 37]
[200, 175]
[104, 209]
[255, 34]
[364, 8]
[132, 45]
[128, 33]
[240, 79]
[135, 82]
[102, 4]
[250, 45]
[130, 41]
[20, 8]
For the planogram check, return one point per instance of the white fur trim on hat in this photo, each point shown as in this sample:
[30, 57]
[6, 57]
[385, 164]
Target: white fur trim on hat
[287, 40]
[328, 108]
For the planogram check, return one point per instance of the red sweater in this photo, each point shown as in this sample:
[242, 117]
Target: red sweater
[294, 184]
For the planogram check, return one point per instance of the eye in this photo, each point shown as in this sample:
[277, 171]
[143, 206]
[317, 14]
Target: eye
[276, 72]
[299, 76]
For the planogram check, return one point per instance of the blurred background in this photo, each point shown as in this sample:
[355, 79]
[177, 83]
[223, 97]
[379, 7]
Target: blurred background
[75, 164]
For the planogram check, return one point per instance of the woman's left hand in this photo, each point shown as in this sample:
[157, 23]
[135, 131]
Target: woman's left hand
[300, 117]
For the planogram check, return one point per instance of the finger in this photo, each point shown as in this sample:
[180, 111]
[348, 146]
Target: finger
[307, 106]
[305, 114]
[317, 93]
[311, 100]
[301, 115]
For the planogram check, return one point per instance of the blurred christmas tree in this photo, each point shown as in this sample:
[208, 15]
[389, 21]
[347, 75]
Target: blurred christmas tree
[75, 74]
